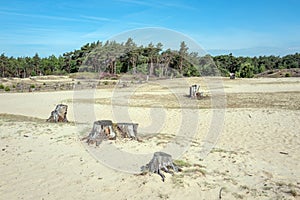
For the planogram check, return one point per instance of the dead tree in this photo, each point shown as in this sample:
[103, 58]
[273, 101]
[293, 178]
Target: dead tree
[106, 130]
[160, 162]
[59, 114]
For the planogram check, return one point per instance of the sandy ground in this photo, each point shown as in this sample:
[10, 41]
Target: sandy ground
[240, 142]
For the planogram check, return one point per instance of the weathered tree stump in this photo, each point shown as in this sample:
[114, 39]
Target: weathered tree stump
[59, 114]
[106, 130]
[102, 130]
[127, 130]
[160, 162]
[193, 90]
[232, 75]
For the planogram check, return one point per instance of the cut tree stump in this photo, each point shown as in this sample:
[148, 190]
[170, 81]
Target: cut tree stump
[160, 162]
[232, 75]
[106, 130]
[193, 90]
[127, 130]
[59, 114]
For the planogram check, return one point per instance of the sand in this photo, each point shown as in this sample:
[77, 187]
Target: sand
[249, 149]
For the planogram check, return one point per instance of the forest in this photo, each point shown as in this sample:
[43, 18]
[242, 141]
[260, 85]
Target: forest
[115, 58]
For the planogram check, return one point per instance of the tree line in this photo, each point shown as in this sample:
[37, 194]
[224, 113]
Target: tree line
[115, 58]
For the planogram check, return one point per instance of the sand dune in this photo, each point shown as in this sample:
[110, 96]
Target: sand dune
[255, 142]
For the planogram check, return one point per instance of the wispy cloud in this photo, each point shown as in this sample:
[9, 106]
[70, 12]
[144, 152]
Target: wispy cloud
[97, 18]
[138, 24]
[38, 16]
[160, 4]
[178, 5]
[59, 18]
[143, 3]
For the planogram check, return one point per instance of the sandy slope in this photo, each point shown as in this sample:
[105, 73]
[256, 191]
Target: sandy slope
[256, 156]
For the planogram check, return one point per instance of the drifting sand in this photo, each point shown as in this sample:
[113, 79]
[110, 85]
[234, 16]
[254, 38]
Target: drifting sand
[256, 155]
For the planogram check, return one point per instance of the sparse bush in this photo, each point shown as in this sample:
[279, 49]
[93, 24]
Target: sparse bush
[14, 86]
[1, 86]
[287, 75]
[7, 88]
[32, 86]
[293, 192]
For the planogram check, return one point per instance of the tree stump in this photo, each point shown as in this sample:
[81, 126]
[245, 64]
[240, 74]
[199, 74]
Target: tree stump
[232, 75]
[102, 130]
[193, 90]
[127, 130]
[160, 162]
[59, 114]
[106, 130]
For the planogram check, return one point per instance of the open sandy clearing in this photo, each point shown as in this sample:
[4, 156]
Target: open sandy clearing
[256, 156]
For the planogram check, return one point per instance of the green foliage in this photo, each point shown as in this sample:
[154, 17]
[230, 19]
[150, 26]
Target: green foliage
[1, 86]
[191, 71]
[115, 58]
[246, 70]
[7, 89]
[60, 72]
[33, 73]
[287, 75]
[32, 86]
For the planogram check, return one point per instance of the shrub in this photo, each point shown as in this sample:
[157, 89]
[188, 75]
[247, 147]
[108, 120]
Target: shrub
[33, 73]
[1, 86]
[32, 86]
[246, 70]
[7, 89]
[287, 75]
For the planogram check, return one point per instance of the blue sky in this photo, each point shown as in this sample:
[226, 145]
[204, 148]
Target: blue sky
[243, 27]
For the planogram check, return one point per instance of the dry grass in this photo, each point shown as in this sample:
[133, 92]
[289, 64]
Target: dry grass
[281, 100]
[182, 163]
[20, 118]
[278, 100]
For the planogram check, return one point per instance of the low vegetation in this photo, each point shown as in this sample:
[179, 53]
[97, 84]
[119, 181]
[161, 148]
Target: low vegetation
[7, 89]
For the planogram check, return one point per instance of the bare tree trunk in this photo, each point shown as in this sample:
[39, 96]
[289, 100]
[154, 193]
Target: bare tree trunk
[151, 70]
